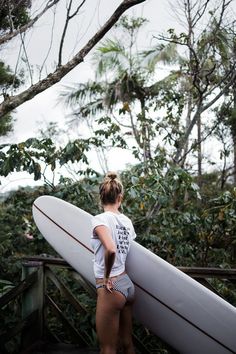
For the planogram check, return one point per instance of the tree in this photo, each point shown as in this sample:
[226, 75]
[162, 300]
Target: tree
[208, 78]
[226, 112]
[205, 70]
[121, 92]
[12, 102]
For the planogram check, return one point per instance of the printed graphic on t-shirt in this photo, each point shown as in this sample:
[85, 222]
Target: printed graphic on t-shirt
[122, 239]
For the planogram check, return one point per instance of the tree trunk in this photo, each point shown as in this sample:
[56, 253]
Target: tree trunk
[199, 150]
[233, 129]
[188, 120]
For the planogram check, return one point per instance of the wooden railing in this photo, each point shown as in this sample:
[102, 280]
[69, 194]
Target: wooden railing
[38, 276]
[36, 293]
[205, 275]
[42, 279]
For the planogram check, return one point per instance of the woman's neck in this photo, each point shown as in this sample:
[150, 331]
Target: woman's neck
[114, 208]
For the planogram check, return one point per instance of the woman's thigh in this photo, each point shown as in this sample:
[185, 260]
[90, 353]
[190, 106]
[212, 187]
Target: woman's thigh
[109, 306]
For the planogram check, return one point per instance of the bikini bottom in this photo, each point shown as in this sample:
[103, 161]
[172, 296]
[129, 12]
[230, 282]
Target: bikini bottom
[124, 285]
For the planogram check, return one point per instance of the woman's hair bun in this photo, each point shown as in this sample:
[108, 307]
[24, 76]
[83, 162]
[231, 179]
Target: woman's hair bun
[112, 175]
[110, 189]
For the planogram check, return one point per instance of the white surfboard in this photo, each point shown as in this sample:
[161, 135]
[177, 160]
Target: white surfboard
[179, 310]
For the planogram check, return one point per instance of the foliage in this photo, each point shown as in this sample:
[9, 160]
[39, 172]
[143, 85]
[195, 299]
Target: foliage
[37, 155]
[172, 218]
[8, 80]
[84, 321]
[16, 227]
[175, 220]
[13, 14]
[19, 235]
[6, 125]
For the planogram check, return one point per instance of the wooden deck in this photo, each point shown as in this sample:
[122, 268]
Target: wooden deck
[58, 348]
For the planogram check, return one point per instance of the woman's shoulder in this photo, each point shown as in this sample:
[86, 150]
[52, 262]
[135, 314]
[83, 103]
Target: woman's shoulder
[125, 218]
[99, 220]
[100, 216]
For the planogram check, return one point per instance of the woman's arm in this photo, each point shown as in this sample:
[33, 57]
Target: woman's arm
[104, 236]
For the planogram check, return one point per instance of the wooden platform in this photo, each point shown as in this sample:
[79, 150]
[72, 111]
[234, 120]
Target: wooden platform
[39, 275]
[58, 348]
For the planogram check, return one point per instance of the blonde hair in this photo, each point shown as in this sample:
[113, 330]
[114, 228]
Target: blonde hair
[110, 188]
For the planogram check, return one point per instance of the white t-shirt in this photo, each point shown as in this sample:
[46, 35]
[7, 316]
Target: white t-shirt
[122, 232]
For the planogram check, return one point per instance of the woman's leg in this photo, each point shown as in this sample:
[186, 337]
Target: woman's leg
[125, 330]
[109, 306]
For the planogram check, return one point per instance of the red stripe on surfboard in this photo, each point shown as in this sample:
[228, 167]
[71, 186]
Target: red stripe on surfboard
[62, 228]
[139, 286]
[184, 318]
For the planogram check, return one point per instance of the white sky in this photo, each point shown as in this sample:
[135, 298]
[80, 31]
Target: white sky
[44, 108]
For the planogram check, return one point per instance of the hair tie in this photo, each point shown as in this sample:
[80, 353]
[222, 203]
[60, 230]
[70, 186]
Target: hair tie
[111, 175]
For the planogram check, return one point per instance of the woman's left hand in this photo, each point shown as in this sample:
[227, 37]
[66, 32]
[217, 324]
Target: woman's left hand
[108, 284]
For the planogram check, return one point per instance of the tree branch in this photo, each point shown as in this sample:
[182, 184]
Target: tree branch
[224, 89]
[64, 33]
[200, 109]
[200, 12]
[50, 45]
[197, 143]
[121, 124]
[10, 103]
[26, 58]
[68, 18]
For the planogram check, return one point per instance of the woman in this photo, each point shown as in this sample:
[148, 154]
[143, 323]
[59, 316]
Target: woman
[112, 235]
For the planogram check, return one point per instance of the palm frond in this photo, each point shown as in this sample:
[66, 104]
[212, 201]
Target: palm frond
[80, 93]
[166, 54]
[91, 109]
[110, 57]
[111, 46]
[167, 83]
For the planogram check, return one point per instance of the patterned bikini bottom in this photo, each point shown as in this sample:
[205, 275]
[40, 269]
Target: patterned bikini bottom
[124, 285]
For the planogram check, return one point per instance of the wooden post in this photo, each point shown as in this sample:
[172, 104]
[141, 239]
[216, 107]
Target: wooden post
[32, 304]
